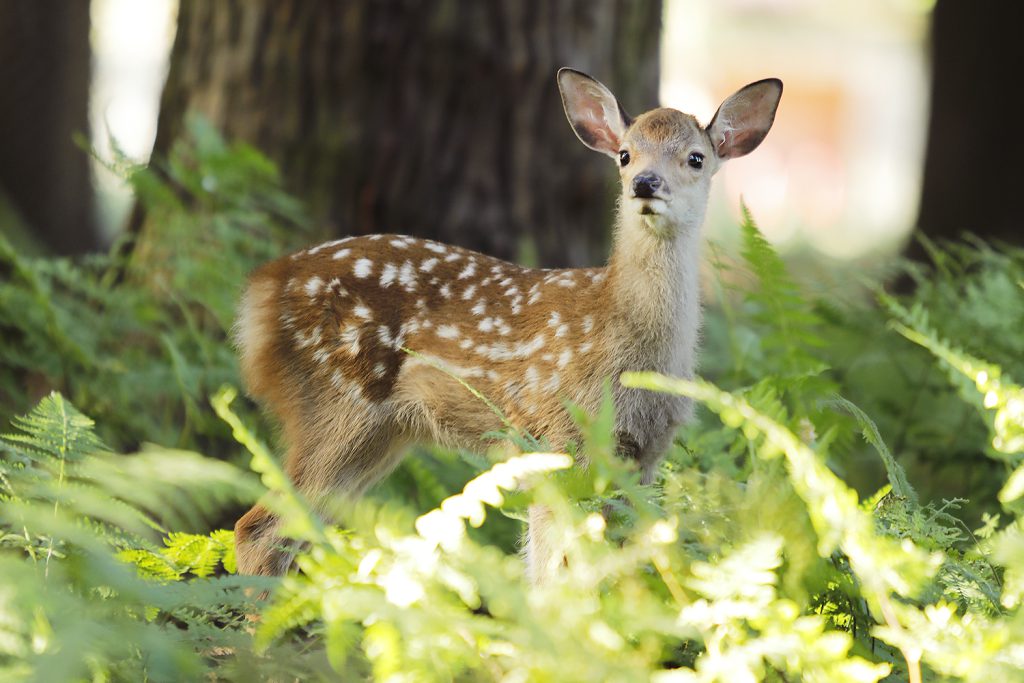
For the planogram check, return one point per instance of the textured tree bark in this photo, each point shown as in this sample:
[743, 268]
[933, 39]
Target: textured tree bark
[973, 171]
[437, 118]
[44, 78]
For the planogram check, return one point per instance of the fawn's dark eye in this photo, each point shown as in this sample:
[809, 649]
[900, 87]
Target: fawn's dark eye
[623, 158]
[696, 160]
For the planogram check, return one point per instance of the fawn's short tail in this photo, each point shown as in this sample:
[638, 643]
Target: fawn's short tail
[256, 335]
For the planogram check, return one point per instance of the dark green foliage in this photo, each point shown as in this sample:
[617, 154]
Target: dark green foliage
[813, 342]
[810, 525]
[140, 342]
[72, 606]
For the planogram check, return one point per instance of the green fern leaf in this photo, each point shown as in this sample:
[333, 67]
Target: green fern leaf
[54, 432]
[789, 324]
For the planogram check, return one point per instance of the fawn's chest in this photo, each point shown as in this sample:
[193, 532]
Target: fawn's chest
[658, 327]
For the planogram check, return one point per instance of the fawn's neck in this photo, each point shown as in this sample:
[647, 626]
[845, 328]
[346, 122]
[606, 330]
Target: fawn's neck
[654, 284]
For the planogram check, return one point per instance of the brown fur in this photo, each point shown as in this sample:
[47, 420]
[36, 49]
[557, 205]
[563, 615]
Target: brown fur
[324, 333]
[523, 337]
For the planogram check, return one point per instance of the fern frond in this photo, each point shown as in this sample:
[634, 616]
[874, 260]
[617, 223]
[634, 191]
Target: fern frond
[182, 489]
[789, 325]
[199, 555]
[54, 432]
[151, 565]
[185, 554]
[293, 607]
[869, 430]
[973, 376]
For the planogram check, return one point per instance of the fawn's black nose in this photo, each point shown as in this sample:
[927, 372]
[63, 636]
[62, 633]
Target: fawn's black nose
[646, 185]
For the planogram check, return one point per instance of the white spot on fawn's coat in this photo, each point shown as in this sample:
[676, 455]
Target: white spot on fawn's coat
[524, 350]
[313, 286]
[553, 383]
[447, 332]
[350, 336]
[335, 286]
[407, 276]
[363, 268]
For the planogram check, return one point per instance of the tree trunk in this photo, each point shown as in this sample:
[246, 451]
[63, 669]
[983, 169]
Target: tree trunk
[973, 168]
[44, 77]
[438, 118]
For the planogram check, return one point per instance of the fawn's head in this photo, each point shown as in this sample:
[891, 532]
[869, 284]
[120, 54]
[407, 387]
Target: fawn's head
[666, 158]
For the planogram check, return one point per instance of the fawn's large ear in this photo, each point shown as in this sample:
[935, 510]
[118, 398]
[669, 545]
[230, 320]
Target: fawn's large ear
[743, 120]
[593, 112]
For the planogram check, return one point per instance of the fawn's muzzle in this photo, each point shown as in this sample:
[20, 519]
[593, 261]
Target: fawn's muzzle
[646, 185]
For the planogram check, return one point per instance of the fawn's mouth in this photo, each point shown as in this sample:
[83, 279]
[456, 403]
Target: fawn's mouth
[654, 215]
[652, 207]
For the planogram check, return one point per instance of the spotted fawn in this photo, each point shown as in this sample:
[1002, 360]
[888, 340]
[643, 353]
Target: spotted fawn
[358, 345]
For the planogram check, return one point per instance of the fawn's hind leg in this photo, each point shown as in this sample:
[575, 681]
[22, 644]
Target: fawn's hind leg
[545, 552]
[258, 549]
[342, 456]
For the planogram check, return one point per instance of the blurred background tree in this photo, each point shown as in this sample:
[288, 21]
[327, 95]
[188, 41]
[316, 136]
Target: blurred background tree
[972, 169]
[439, 119]
[44, 80]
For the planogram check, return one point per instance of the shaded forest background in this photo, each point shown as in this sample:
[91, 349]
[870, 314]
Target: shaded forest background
[440, 119]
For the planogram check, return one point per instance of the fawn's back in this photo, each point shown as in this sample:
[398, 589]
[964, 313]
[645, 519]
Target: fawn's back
[324, 334]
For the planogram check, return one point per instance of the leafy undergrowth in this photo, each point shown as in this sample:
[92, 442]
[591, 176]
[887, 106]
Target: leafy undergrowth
[754, 557]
